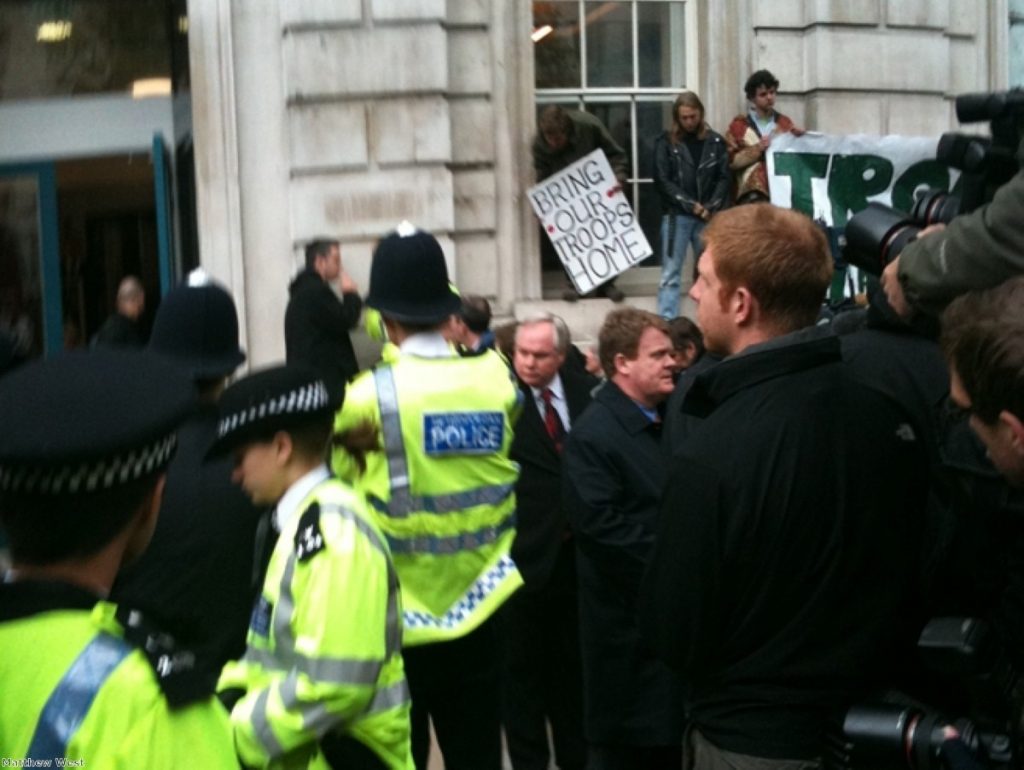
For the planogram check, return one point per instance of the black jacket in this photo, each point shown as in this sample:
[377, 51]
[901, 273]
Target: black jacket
[540, 515]
[316, 327]
[784, 575]
[673, 163]
[197, 578]
[614, 474]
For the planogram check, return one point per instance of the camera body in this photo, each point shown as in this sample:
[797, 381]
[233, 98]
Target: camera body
[877, 234]
[898, 733]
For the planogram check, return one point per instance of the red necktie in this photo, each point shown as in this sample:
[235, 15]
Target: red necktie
[552, 421]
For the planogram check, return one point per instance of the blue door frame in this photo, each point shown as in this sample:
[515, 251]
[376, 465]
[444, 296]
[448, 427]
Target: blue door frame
[49, 249]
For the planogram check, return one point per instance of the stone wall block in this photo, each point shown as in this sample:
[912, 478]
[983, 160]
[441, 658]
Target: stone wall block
[783, 52]
[370, 204]
[475, 200]
[778, 13]
[914, 115]
[895, 60]
[964, 75]
[469, 61]
[842, 12]
[411, 131]
[327, 135]
[318, 11]
[382, 60]
[917, 13]
[845, 113]
[965, 17]
[385, 10]
[472, 130]
[476, 264]
[469, 11]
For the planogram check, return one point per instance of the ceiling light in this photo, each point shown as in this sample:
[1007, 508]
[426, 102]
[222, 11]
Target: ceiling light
[151, 87]
[541, 32]
[53, 31]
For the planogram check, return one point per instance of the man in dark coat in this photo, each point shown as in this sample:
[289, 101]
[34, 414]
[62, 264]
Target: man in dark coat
[614, 474]
[317, 322]
[782, 583]
[543, 680]
[200, 575]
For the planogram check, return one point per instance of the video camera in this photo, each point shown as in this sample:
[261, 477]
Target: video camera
[962, 658]
[876, 235]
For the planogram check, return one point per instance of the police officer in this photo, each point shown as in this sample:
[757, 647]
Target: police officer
[322, 678]
[198, 572]
[437, 473]
[85, 440]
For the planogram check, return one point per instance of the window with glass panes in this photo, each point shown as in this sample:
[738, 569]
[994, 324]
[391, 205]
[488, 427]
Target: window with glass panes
[624, 62]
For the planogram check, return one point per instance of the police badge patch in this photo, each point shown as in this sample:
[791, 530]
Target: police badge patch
[463, 433]
[309, 540]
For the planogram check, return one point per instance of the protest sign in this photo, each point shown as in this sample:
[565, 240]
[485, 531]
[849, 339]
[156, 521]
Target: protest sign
[831, 178]
[589, 221]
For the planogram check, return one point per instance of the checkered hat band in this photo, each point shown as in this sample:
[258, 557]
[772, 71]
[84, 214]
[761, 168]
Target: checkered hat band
[90, 476]
[308, 398]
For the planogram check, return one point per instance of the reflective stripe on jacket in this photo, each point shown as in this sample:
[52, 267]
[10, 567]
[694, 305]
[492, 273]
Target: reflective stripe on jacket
[324, 651]
[442, 485]
[74, 689]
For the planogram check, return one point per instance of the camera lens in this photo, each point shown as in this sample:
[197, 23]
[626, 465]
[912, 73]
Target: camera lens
[877, 234]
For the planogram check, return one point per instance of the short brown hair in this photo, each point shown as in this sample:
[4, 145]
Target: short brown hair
[620, 333]
[781, 256]
[983, 340]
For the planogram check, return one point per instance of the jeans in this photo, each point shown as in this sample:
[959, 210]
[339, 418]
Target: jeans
[677, 232]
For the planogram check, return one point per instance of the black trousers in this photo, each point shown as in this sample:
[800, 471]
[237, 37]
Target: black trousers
[542, 678]
[635, 758]
[456, 686]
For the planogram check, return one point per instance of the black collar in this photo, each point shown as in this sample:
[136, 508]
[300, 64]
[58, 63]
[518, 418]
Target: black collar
[791, 353]
[25, 598]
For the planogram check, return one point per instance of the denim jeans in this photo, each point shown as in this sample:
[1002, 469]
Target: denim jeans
[677, 232]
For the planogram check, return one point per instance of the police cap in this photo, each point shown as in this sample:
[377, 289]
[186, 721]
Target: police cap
[89, 421]
[279, 398]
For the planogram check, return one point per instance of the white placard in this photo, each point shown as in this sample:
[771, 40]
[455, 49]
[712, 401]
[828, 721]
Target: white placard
[589, 222]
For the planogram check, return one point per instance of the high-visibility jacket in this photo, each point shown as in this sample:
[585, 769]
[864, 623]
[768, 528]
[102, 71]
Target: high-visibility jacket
[442, 486]
[72, 688]
[324, 647]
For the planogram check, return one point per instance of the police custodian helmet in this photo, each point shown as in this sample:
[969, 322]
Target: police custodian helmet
[409, 278]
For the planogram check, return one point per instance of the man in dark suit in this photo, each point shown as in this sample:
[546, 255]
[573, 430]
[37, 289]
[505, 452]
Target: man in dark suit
[541, 622]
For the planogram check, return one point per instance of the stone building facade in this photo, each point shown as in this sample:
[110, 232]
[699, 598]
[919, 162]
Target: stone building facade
[343, 117]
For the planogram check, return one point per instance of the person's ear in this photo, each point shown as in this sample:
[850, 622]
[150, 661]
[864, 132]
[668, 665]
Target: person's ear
[284, 447]
[744, 306]
[1016, 428]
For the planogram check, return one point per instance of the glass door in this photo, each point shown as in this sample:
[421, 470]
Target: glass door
[30, 280]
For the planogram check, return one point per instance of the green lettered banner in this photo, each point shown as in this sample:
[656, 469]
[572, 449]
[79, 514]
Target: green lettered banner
[831, 178]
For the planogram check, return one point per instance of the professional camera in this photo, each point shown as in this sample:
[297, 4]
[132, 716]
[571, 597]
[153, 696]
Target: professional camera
[900, 733]
[878, 233]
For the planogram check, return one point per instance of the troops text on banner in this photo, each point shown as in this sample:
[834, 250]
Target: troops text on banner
[831, 178]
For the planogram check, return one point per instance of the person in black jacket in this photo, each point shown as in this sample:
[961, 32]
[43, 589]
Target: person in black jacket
[784, 570]
[201, 573]
[691, 172]
[317, 322]
[614, 472]
[543, 680]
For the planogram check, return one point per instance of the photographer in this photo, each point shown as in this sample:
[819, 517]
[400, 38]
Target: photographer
[983, 339]
[974, 251]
